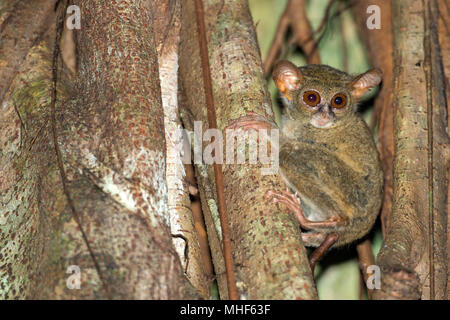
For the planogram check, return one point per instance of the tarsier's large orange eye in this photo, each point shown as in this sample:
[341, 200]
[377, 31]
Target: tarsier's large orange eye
[311, 98]
[339, 101]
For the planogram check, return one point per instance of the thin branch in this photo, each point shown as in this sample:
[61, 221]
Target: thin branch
[326, 18]
[277, 43]
[344, 46]
[199, 224]
[365, 258]
[207, 82]
[302, 29]
[293, 16]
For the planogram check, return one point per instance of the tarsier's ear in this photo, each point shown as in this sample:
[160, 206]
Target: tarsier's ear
[365, 81]
[287, 77]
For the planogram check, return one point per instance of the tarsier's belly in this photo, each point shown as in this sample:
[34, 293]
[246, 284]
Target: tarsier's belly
[330, 182]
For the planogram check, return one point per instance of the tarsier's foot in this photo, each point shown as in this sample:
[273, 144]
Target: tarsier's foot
[251, 121]
[291, 201]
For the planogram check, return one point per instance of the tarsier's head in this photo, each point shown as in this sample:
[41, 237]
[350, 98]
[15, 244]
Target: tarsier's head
[320, 94]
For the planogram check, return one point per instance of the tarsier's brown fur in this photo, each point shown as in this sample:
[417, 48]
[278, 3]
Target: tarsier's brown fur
[335, 170]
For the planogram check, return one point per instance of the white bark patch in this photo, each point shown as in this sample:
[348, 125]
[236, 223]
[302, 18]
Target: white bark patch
[133, 196]
[118, 192]
[168, 68]
[212, 205]
[215, 216]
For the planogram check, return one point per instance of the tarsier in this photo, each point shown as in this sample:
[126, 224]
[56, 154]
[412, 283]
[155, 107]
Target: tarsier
[328, 158]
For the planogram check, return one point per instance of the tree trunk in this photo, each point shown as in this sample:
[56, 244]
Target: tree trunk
[413, 258]
[270, 260]
[98, 199]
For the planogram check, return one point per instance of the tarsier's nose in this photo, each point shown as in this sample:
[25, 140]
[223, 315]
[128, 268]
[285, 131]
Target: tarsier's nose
[324, 117]
[326, 108]
[326, 111]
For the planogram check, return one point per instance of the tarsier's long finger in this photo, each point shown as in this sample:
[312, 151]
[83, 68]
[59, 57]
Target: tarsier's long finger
[250, 121]
[292, 196]
[286, 200]
[249, 124]
[293, 203]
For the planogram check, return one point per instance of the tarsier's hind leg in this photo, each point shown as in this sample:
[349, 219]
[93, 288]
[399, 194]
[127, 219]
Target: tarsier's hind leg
[293, 203]
[320, 251]
[326, 241]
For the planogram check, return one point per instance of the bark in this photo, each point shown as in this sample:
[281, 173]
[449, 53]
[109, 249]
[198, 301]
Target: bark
[413, 258]
[270, 260]
[18, 37]
[185, 240]
[105, 207]
[29, 215]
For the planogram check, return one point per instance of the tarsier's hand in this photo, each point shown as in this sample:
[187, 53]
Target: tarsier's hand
[250, 121]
